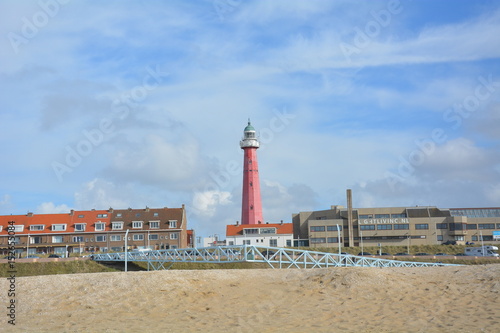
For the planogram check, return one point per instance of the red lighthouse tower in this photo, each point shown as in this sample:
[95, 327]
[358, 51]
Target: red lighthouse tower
[251, 208]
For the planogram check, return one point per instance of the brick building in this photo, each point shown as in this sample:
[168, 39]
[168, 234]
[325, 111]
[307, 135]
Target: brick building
[96, 230]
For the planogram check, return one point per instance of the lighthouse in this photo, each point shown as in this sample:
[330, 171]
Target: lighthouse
[251, 208]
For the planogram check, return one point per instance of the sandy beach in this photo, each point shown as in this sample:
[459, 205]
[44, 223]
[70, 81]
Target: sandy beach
[434, 299]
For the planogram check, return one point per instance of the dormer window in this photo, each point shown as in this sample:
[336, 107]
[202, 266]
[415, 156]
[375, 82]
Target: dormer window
[80, 227]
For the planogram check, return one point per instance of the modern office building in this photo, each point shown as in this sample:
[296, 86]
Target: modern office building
[96, 230]
[396, 226]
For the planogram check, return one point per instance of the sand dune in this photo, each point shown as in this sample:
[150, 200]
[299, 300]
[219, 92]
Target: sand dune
[435, 299]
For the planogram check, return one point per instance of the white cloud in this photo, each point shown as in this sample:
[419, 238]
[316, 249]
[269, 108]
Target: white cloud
[51, 208]
[207, 203]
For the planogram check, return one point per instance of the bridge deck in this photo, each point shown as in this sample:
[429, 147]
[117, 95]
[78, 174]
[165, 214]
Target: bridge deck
[275, 257]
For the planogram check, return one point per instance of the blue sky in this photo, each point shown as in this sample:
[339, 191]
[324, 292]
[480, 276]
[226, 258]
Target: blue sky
[143, 103]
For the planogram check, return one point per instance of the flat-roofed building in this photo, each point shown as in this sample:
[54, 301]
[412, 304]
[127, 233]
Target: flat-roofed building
[96, 230]
[395, 226]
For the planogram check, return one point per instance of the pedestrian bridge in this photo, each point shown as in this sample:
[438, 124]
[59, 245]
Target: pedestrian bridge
[275, 257]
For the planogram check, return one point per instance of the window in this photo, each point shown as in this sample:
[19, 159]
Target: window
[486, 225]
[321, 218]
[174, 235]
[397, 216]
[317, 228]
[172, 224]
[384, 227]
[37, 227]
[154, 224]
[440, 238]
[332, 239]
[78, 239]
[471, 226]
[100, 226]
[153, 237]
[35, 239]
[155, 214]
[317, 240]
[441, 226]
[115, 238]
[458, 226]
[59, 227]
[118, 214]
[273, 242]
[101, 238]
[137, 214]
[333, 228]
[288, 242]
[475, 238]
[365, 216]
[138, 237]
[18, 228]
[81, 216]
[246, 242]
[57, 239]
[382, 216]
[253, 231]
[102, 215]
[137, 224]
[421, 226]
[231, 243]
[116, 225]
[267, 230]
[401, 227]
[79, 227]
[367, 227]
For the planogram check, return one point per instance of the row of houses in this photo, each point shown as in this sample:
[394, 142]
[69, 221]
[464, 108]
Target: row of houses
[96, 230]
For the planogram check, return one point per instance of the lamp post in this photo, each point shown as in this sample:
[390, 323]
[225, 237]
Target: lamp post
[126, 250]
[482, 241]
[338, 233]
[361, 236]
[28, 246]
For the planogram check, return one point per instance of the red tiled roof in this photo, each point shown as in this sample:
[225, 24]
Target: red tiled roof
[237, 230]
[47, 220]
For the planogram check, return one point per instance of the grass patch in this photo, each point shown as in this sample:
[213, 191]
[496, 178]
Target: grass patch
[52, 268]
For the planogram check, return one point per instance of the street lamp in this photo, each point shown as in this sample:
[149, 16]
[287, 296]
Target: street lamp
[338, 233]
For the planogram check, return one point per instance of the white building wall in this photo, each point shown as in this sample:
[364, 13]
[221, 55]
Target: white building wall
[261, 240]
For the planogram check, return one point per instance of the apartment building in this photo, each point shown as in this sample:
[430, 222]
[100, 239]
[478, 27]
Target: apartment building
[96, 230]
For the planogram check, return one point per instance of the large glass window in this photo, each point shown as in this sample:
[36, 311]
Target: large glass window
[317, 240]
[317, 228]
[57, 239]
[471, 226]
[422, 226]
[486, 225]
[367, 227]
[401, 227]
[458, 226]
[382, 216]
[441, 226]
[384, 226]
[396, 216]
[332, 239]
[267, 230]
[251, 231]
[333, 228]
[365, 216]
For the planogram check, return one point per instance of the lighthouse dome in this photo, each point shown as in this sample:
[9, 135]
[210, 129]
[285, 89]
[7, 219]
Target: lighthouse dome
[249, 127]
